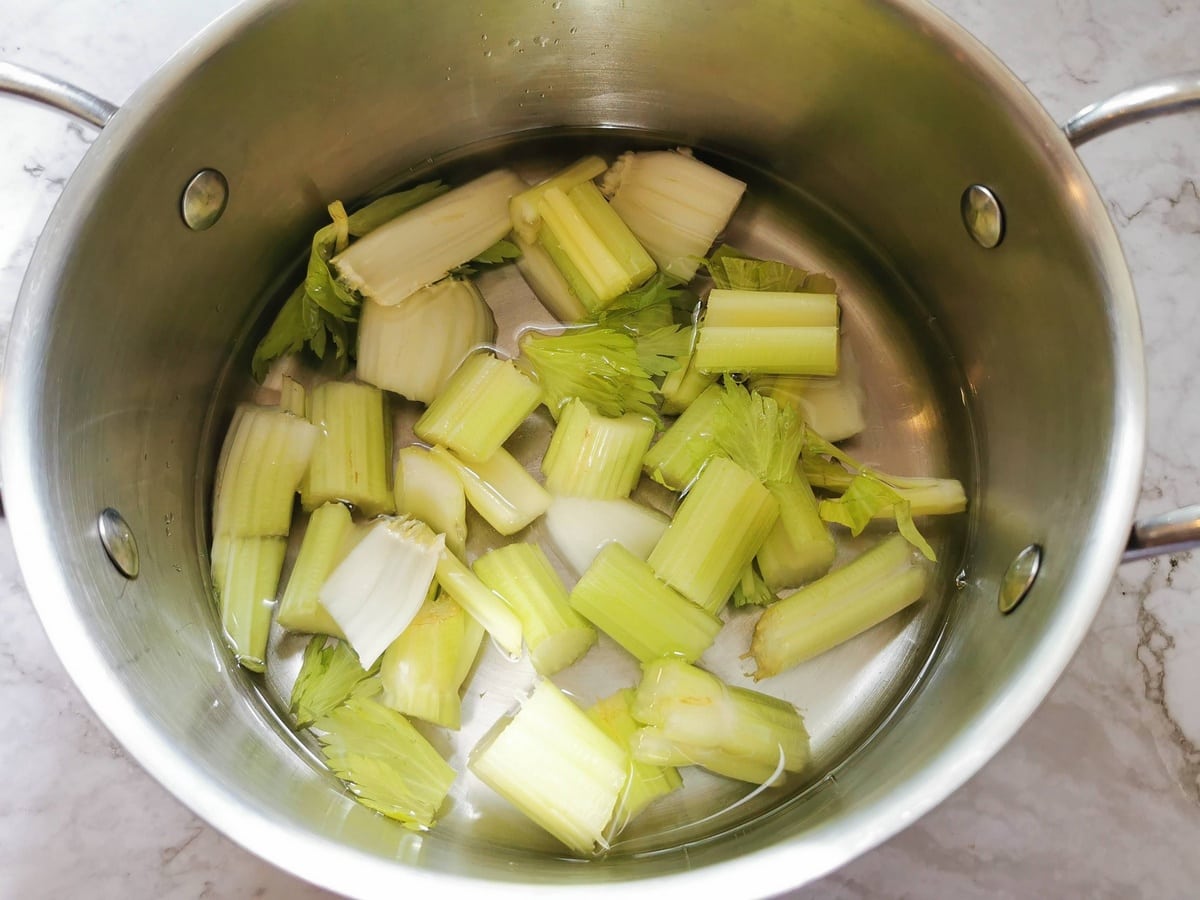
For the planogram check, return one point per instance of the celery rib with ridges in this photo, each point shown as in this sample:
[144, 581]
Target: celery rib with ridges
[481, 603]
[352, 459]
[831, 406]
[621, 596]
[523, 209]
[596, 456]
[799, 548]
[480, 407]
[427, 488]
[555, 634]
[683, 449]
[548, 283]
[556, 766]
[300, 608]
[772, 332]
[423, 245]
[682, 387]
[721, 524]
[832, 610]
[691, 717]
[500, 489]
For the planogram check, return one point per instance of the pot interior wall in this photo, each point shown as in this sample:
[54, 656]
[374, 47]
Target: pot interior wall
[1025, 360]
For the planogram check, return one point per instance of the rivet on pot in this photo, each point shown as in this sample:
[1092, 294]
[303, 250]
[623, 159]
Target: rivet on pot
[118, 542]
[1019, 578]
[983, 215]
[204, 199]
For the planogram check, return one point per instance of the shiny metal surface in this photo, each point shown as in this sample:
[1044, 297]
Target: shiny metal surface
[48, 91]
[1019, 578]
[983, 216]
[204, 199]
[974, 363]
[1176, 531]
[118, 541]
[1161, 97]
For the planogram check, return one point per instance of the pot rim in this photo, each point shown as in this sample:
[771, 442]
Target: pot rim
[332, 865]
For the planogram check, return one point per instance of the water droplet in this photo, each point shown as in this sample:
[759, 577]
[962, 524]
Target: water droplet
[573, 29]
[487, 53]
[514, 43]
[556, 42]
[541, 96]
[542, 40]
[960, 580]
[557, 4]
[520, 49]
[483, 37]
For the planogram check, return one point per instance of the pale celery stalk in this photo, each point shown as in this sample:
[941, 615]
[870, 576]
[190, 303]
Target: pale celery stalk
[556, 766]
[683, 449]
[473, 634]
[579, 527]
[721, 524]
[692, 717]
[352, 458]
[799, 547]
[927, 496]
[576, 283]
[421, 668]
[770, 309]
[682, 387]
[329, 673]
[555, 634]
[613, 233]
[644, 782]
[300, 608]
[500, 490]
[831, 406]
[595, 456]
[795, 351]
[292, 397]
[600, 267]
[481, 603]
[832, 610]
[413, 349]
[526, 219]
[620, 595]
[378, 588]
[245, 584]
[675, 204]
[421, 246]
[480, 407]
[385, 762]
[547, 282]
[427, 488]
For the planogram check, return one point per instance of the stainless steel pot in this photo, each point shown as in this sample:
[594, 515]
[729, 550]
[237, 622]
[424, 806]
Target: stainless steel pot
[1020, 364]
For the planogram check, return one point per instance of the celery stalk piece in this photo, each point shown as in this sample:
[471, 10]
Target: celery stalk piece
[412, 349]
[427, 488]
[555, 634]
[675, 204]
[579, 528]
[644, 782]
[687, 444]
[694, 717]
[721, 524]
[799, 548]
[831, 406]
[600, 267]
[328, 674]
[421, 246]
[574, 279]
[927, 496]
[620, 595]
[245, 585]
[547, 282]
[377, 589]
[500, 490]
[480, 407]
[352, 458]
[770, 309]
[473, 634]
[526, 219]
[751, 589]
[320, 551]
[832, 610]
[421, 668]
[482, 603]
[556, 766]
[596, 456]
[795, 351]
[292, 397]
[682, 387]
[385, 762]
[613, 233]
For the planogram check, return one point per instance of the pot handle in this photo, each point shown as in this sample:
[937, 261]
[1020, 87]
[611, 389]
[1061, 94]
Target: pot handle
[1178, 530]
[55, 93]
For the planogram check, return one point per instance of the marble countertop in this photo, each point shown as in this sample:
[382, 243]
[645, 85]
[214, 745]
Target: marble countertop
[1098, 795]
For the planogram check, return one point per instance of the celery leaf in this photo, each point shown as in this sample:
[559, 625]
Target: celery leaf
[383, 210]
[500, 252]
[733, 270]
[643, 309]
[328, 675]
[600, 366]
[868, 497]
[758, 433]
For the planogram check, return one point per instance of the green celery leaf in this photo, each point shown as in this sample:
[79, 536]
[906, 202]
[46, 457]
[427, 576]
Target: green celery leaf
[383, 210]
[287, 334]
[867, 497]
[600, 366]
[733, 270]
[646, 308]
[329, 673]
[751, 590]
[758, 434]
[660, 350]
[500, 252]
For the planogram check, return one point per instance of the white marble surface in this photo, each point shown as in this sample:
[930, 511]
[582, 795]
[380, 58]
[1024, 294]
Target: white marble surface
[1099, 794]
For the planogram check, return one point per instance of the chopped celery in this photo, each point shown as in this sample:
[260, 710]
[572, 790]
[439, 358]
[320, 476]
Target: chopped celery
[548, 283]
[473, 633]
[769, 309]
[577, 284]
[799, 548]
[831, 406]
[500, 490]
[579, 527]
[555, 634]
[385, 762]
[596, 456]
[320, 551]
[613, 233]
[606, 275]
[868, 497]
[644, 309]
[422, 246]
[927, 496]
[692, 717]
[421, 668]
[427, 488]
[377, 589]
[644, 782]
[620, 595]
[675, 204]
[556, 766]
[352, 458]
[328, 674]
[480, 407]
[246, 578]
[721, 524]
[526, 219]
[751, 589]
[733, 270]
[293, 398]
[682, 387]
[414, 348]
[481, 603]
[687, 444]
[758, 434]
[843, 604]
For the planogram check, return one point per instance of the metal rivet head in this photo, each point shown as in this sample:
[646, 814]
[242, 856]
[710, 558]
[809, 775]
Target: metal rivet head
[983, 215]
[118, 542]
[204, 199]
[1019, 578]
